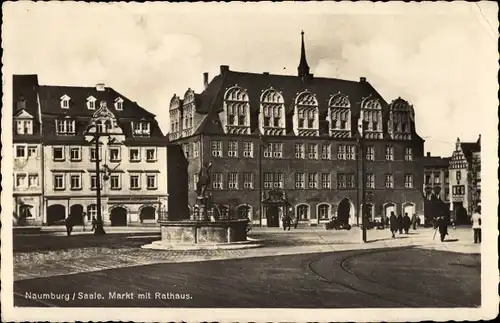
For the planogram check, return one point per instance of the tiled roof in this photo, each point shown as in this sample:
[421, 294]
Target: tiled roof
[50, 100]
[436, 162]
[289, 86]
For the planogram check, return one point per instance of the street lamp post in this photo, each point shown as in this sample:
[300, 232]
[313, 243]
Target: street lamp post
[360, 137]
[260, 182]
[99, 228]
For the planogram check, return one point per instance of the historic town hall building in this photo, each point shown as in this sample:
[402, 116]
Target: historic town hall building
[55, 155]
[282, 143]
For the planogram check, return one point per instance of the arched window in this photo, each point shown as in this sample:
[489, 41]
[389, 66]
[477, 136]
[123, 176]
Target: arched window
[323, 211]
[272, 112]
[339, 109]
[306, 115]
[91, 211]
[371, 115]
[303, 212]
[236, 118]
[401, 119]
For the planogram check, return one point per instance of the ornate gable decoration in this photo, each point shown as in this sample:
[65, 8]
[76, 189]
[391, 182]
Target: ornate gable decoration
[23, 114]
[235, 117]
[104, 121]
[400, 121]
[339, 116]
[272, 119]
[306, 114]
[371, 115]
[174, 102]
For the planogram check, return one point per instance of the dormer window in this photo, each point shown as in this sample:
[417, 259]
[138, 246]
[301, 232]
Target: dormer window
[23, 123]
[235, 118]
[141, 128]
[91, 103]
[65, 102]
[371, 115]
[306, 114]
[65, 127]
[272, 113]
[119, 104]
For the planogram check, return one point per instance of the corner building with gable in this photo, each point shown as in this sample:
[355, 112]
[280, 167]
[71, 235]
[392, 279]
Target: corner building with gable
[283, 143]
[55, 155]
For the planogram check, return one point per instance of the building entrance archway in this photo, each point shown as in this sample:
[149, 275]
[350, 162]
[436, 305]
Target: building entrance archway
[344, 211]
[76, 213]
[118, 216]
[147, 213]
[55, 213]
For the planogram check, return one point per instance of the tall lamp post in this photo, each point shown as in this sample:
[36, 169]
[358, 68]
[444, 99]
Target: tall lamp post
[360, 138]
[261, 177]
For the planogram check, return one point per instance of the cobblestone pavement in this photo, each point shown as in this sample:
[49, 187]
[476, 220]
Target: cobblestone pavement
[52, 255]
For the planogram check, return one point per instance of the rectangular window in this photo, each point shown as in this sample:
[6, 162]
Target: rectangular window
[389, 152]
[196, 149]
[151, 155]
[325, 180]
[247, 149]
[370, 153]
[134, 154]
[437, 178]
[408, 154]
[312, 151]
[268, 180]
[141, 128]
[278, 181]
[459, 175]
[232, 181]
[196, 178]
[151, 183]
[232, 150]
[299, 180]
[351, 180]
[446, 177]
[33, 180]
[93, 154]
[75, 153]
[20, 151]
[58, 153]
[326, 151]
[216, 148]
[312, 180]
[341, 150]
[389, 181]
[427, 179]
[341, 181]
[24, 127]
[277, 149]
[76, 181]
[370, 180]
[135, 182]
[59, 182]
[115, 182]
[93, 182]
[351, 152]
[21, 180]
[65, 127]
[217, 181]
[115, 154]
[409, 181]
[248, 180]
[299, 151]
[32, 151]
[185, 149]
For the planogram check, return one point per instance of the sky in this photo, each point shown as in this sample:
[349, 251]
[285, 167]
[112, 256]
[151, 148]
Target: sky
[441, 57]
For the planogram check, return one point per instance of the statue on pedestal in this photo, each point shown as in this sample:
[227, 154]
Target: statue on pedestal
[203, 179]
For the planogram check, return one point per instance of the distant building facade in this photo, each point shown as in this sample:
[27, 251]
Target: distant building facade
[133, 158]
[465, 179]
[282, 143]
[436, 178]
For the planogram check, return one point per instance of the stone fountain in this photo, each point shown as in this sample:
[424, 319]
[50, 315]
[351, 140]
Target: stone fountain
[205, 228]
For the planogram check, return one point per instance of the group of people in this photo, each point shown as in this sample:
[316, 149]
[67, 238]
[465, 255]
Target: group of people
[287, 222]
[403, 223]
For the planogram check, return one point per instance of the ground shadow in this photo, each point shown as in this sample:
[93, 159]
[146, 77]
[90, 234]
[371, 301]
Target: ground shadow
[450, 240]
[387, 239]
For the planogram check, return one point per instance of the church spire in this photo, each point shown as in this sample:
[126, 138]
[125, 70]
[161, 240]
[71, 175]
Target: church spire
[303, 68]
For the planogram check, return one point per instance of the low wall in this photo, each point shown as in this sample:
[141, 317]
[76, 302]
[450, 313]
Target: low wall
[203, 232]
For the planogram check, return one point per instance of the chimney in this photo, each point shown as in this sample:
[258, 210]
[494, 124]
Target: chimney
[205, 80]
[428, 154]
[100, 86]
[362, 79]
[266, 73]
[224, 69]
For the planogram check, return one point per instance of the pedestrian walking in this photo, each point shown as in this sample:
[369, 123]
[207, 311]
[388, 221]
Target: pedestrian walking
[94, 223]
[69, 224]
[400, 224]
[476, 225]
[394, 224]
[287, 222]
[414, 221]
[442, 224]
[406, 223]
